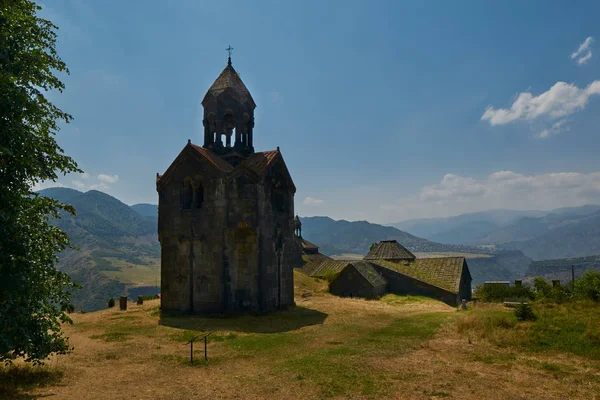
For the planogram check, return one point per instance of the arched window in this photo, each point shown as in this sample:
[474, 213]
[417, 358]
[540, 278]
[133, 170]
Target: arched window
[228, 128]
[279, 199]
[186, 194]
[198, 195]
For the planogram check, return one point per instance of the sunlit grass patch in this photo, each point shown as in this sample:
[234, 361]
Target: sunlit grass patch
[395, 299]
[336, 375]
[569, 327]
[112, 337]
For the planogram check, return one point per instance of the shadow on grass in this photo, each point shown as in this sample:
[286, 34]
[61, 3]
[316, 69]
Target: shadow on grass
[278, 321]
[17, 381]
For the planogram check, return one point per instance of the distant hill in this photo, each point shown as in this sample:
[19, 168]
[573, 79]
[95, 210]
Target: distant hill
[465, 233]
[471, 224]
[561, 268]
[573, 236]
[149, 211]
[358, 236]
[560, 233]
[504, 265]
[117, 247]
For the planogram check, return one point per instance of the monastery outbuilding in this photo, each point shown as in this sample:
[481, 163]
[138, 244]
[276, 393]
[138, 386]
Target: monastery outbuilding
[391, 268]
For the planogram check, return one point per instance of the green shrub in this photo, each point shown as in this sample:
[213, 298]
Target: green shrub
[542, 288]
[524, 312]
[111, 303]
[587, 286]
[499, 293]
[556, 294]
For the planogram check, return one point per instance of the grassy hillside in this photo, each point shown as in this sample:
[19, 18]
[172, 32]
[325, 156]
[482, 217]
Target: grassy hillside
[116, 248]
[326, 347]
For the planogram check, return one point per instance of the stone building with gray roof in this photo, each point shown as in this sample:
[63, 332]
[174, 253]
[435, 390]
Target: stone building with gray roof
[358, 279]
[447, 278]
[389, 250]
[226, 215]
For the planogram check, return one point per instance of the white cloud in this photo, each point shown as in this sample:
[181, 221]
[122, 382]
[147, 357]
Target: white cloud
[456, 194]
[108, 178]
[556, 128]
[585, 58]
[503, 184]
[452, 186]
[560, 100]
[85, 176]
[309, 201]
[583, 53]
[78, 184]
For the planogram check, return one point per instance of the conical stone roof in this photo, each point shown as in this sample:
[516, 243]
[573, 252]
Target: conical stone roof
[389, 250]
[229, 79]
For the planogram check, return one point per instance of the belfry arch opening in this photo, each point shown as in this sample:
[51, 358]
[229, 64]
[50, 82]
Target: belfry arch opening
[228, 128]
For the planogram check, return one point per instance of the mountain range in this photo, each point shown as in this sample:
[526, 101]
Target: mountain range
[559, 233]
[117, 251]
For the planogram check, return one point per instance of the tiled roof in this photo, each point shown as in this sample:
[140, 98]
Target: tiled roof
[370, 274]
[213, 158]
[441, 272]
[229, 79]
[389, 250]
[308, 245]
[259, 162]
[329, 267]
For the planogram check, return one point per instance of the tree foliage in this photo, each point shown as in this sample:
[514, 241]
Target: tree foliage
[33, 294]
[500, 293]
[587, 286]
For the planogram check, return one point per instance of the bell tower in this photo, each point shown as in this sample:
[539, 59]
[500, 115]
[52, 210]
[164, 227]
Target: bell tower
[228, 115]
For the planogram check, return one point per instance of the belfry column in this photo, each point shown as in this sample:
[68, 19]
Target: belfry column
[250, 126]
[206, 124]
[238, 136]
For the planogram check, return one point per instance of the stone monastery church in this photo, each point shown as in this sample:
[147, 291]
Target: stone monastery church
[226, 215]
[229, 240]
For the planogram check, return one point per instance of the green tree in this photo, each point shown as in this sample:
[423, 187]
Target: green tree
[587, 286]
[34, 296]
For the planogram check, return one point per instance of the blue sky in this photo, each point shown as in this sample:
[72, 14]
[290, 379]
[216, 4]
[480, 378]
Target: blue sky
[384, 111]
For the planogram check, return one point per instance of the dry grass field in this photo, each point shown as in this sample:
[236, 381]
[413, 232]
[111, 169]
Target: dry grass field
[326, 347]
